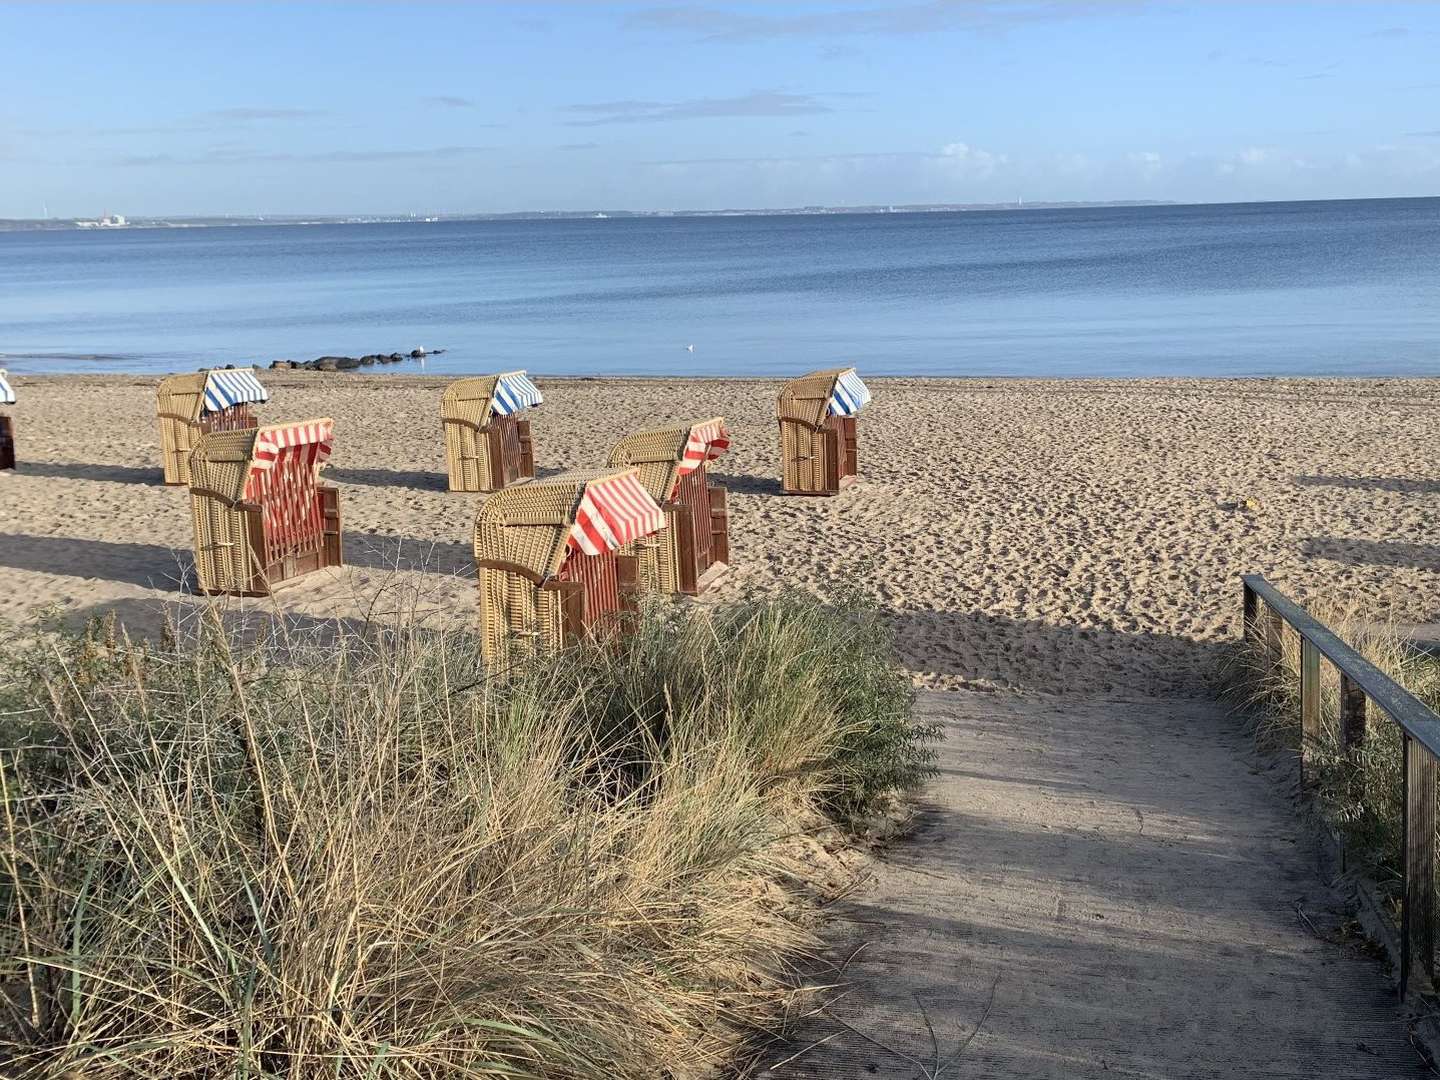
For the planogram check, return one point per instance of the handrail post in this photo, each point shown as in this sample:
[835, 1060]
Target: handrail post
[1309, 707]
[1417, 919]
[1252, 611]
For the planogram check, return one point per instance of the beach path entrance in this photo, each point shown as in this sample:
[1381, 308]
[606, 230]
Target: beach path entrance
[1099, 888]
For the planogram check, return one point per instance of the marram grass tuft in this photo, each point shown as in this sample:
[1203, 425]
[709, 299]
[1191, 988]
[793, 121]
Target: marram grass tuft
[368, 857]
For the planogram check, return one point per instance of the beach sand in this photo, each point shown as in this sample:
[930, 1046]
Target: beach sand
[1047, 535]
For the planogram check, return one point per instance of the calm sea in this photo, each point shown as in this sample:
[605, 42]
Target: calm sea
[1318, 288]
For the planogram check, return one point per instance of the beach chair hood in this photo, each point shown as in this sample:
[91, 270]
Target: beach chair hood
[664, 456]
[849, 395]
[514, 391]
[238, 386]
[7, 392]
[203, 392]
[476, 400]
[232, 464]
[813, 397]
[534, 527]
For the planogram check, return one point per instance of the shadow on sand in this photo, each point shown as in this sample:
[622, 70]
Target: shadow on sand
[750, 485]
[1399, 484]
[148, 476]
[133, 564]
[1373, 552]
[414, 478]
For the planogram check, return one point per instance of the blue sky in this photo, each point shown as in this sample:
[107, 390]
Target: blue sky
[315, 108]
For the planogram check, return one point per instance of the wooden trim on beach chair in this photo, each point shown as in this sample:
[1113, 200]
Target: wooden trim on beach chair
[572, 606]
[7, 442]
[719, 524]
[527, 448]
[513, 568]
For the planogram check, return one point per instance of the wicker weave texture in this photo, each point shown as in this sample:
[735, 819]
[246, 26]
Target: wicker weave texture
[526, 530]
[229, 532]
[807, 434]
[804, 457]
[180, 406]
[657, 454]
[465, 415]
[807, 398]
[658, 557]
[517, 618]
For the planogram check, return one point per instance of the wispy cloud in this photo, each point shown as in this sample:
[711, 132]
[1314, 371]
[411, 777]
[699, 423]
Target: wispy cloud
[448, 101]
[241, 156]
[718, 24]
[756, 103]
[246, 114]
[579, 146]
[789, 159]
[1390, 32]
[1423, 134]
[212, 121]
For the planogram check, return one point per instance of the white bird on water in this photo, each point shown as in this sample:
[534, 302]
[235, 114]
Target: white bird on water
[689, 348]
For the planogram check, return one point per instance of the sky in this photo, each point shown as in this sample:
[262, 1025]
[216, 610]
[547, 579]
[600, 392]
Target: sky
[176, 109]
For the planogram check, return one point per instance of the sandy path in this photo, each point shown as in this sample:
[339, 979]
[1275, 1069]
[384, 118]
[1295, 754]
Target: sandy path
[1103, 889]
[1083, 535]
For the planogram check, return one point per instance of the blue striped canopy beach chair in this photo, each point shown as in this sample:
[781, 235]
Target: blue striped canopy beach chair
[819, 440]
[488, 445]
[190, 406]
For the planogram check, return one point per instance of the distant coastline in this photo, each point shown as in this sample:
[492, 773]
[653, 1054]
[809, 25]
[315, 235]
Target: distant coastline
[235, 220]
[208, 221]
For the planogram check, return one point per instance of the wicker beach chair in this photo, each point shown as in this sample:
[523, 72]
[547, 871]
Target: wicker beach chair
[189, 406]
[818, 437]
[262, 515]
[487, 443]
[7, 423]
[550, 560]
[694, 547]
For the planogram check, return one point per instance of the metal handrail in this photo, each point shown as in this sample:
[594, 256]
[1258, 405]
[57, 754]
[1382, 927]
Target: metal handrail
[1362, 681]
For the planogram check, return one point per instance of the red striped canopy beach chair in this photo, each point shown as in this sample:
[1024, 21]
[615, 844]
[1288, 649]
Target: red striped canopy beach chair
[551, 560]
[261, 514]
[694, 547]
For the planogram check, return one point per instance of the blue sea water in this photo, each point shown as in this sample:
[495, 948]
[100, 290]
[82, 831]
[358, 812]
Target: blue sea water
[1314, 288]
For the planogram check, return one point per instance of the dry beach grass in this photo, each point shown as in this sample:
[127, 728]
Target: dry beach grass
[369, 858]
[1052, 535]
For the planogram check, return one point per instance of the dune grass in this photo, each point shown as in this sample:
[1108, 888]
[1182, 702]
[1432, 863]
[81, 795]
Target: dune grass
[1358, 792]
[367, 857]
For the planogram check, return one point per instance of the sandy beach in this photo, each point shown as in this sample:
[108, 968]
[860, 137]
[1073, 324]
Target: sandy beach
[1046, 535]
